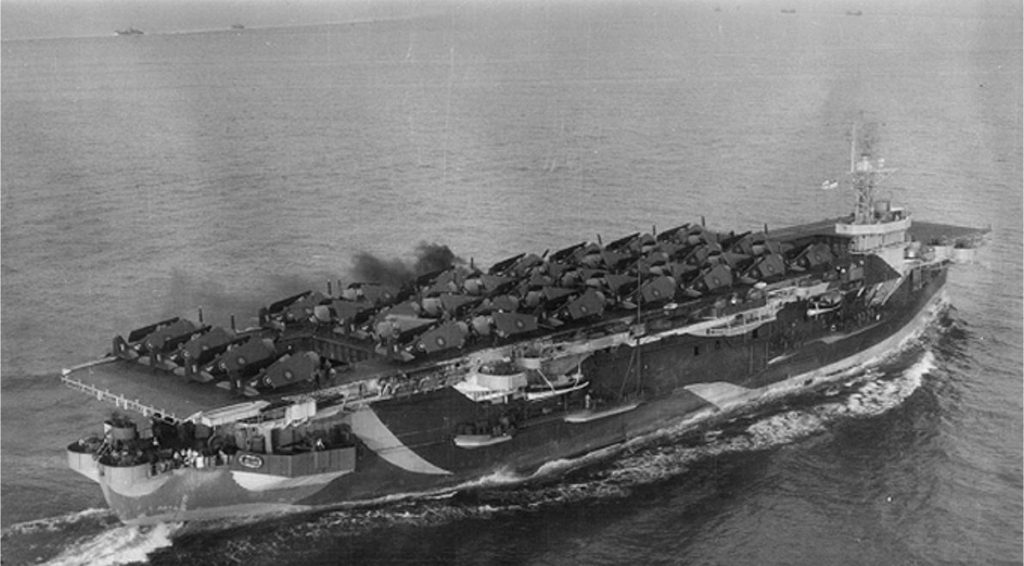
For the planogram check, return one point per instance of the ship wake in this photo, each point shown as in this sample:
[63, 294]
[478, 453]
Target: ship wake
[89, 537]
[673, 452]
[120, 545]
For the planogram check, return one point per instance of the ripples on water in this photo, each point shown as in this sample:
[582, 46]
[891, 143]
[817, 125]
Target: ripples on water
[154, 175]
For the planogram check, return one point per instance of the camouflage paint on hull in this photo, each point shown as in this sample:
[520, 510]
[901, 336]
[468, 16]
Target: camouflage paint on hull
[405, 444]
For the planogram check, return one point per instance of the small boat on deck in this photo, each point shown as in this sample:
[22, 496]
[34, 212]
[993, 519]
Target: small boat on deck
[589, 415]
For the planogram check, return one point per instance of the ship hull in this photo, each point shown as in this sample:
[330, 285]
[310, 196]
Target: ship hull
[406, 445]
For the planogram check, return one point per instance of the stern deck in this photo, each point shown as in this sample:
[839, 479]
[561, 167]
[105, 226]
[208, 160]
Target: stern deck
[137, 387]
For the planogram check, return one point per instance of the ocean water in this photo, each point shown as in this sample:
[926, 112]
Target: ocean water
[149, 176]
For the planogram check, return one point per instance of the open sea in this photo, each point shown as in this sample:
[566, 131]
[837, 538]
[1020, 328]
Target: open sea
[148, 176]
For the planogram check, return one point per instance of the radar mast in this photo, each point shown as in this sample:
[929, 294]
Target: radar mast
[864, 176]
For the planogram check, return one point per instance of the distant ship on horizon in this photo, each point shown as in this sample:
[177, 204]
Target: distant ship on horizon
[237, 26]
[129, 31]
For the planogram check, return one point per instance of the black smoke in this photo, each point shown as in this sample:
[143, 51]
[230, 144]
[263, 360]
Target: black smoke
[186, 293]
[368, 268]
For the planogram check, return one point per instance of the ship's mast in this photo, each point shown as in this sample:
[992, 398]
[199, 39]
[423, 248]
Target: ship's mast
[876, 227]
[853, 146]
[639, 376]
[863, 175]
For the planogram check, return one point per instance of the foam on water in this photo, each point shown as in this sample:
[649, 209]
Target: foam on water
[62, 522]
[869, 398]
[121, 545]
[42, 539]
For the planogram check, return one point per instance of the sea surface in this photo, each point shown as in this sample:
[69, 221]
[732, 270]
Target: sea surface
[149, 176]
